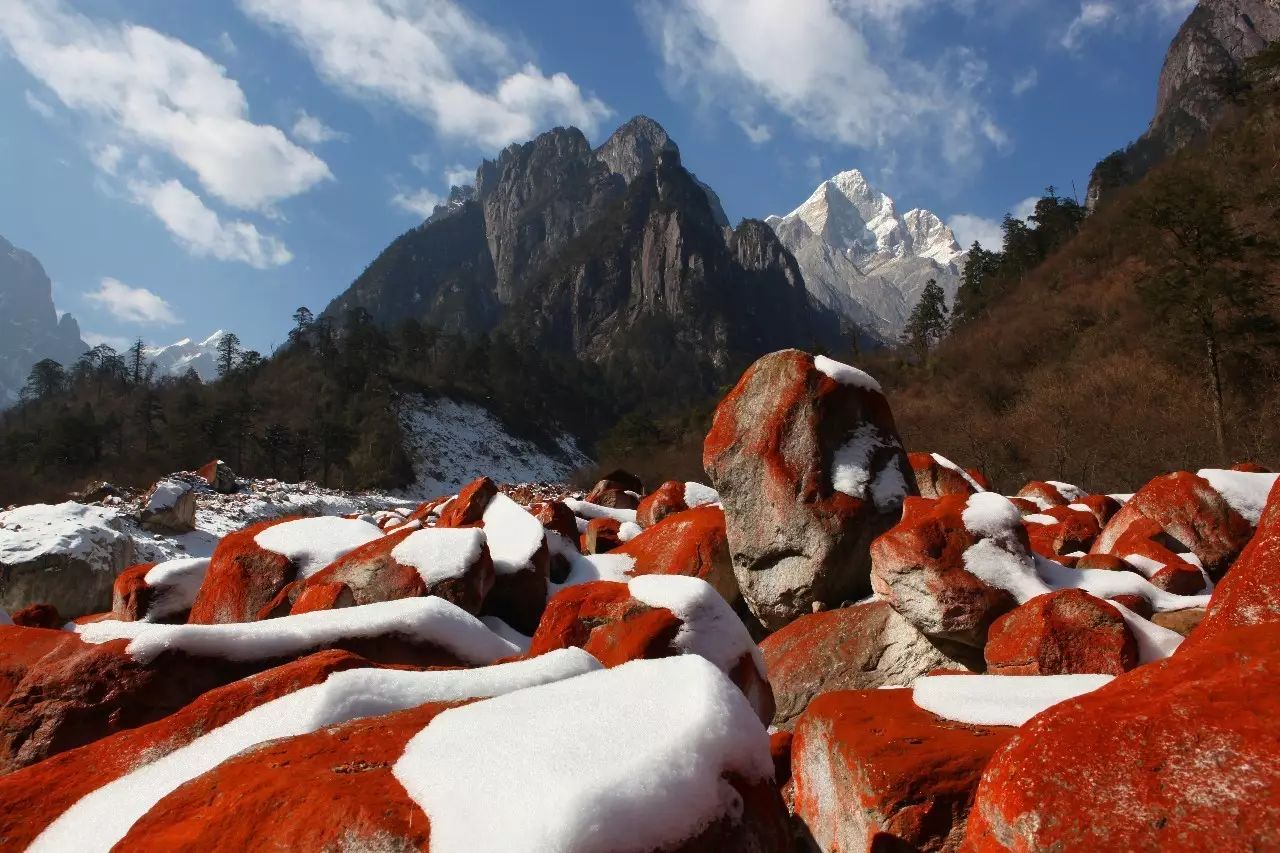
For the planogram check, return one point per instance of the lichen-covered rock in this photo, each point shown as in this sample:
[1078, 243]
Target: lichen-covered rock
[862, 647]
[660, 503]
[918, 567]
[872, 771]
[694, 542]
[806, 457]
[936, 476]
[66, 555]
[1067, 632]
[1181, 754]
[219, 476]
[601, 536]
[469, 506]
[1071, 531]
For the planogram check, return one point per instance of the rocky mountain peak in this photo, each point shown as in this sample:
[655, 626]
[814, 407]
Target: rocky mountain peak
[634, 148]
[30, 329]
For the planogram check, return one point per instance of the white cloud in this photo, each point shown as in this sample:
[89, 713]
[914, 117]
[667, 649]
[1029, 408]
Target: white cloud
[39, 106]
[202, 232]
[152, 90]
[420, 202]
[434, 60]
[132, 304]
[1093, 14]
[116, 342]
[968, 227]
[1025, 82]
[107, 158]
[227, 45]
[1023, 209]
[312, 131]
[757, 133]
[813, 62]
[459, 175]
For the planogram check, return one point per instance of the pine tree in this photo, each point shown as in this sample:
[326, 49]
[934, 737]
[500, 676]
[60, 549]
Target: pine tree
[228, 353]
[47, 378]
[137, 361]
[1200, 283]
[928, 322]
[302, 320]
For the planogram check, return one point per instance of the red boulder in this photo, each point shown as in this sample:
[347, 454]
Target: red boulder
[1068, 632]
[665, 500]
[693, 543]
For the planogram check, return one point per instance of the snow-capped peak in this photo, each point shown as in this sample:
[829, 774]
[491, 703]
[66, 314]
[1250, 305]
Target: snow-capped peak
[177, 358]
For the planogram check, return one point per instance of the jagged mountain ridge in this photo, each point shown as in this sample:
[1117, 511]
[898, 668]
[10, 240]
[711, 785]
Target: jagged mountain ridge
[177, 358]
[863, 260]
[1200, 72]
[571, 248]
[30, 329]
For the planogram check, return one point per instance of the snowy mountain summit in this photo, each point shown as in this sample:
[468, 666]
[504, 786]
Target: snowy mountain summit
[179, 357]
[864, 260]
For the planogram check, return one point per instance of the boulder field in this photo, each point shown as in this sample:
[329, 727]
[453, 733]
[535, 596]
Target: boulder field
[831, 645]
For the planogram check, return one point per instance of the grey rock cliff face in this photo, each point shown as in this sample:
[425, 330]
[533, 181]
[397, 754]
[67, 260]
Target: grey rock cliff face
[1200, 69]
[30, 329]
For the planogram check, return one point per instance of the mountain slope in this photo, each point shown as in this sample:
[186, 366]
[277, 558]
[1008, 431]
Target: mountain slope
[863, 260]
[1198, 82]
[177, 358]
[30, 329]
[587, 253]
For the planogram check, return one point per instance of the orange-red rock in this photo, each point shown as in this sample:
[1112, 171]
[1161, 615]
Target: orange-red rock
[693, 543]
[323, 596]
[662, 502]
[862, 647]
[1043, 494]
[556, 516]
[469, 506]
[918, 567]
[131, 598]
[614, 498]
[372, 574]
[872, 771]
[935, 480]
[1075, 530]
[601, 536]
[1183, 513]
[1066, 632]
[243, 578]
[1182, 754]
[1249, 594]
[38, 616]
[31, 798]
[771, 453]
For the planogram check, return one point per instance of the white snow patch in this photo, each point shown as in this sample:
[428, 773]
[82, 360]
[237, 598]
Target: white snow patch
[424, 620]
[629, 530]
[846, 374]
[590, 511]
[589, 567]
[1154, 642]
[313, 543]
[709, 626]
[1069, 492]
[1144, 564]
[112, 809]
[947, 463]
[86, 532]
[506, 632]
[177, 582]
[999, 700]
[696, 494]
[850, 472]
[989, 514]
[626, 759]
[440, 554]
[514, 535]
[1037, 518]
[166, 494]
[1244, 492]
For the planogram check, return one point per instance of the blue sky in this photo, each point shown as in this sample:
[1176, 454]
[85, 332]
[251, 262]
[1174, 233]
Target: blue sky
[185, 166]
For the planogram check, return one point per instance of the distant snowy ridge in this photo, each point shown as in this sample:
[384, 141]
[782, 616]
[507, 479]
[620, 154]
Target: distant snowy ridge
[179, 357]
[450, 443]
[862, 259]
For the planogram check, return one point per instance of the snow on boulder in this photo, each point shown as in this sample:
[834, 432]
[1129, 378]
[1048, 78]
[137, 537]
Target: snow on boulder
[1061, 530]
[653, 755]
[521, 560]
[170, 507]
[468, 507]
[453, 564]
[113, 809]
[874, 771]
[424, 631]
[937, 476]
[589, 511]
[656, 616]
[806, 458]
[1245, 491]
[1183, 754]
[1050, 493]
[608, 495]
[158, 592]
[35, 796]
[862, 647]
[250, 567]
[1067, 632]
[1249, 594]
[67, 555]
[693, 543]
[1191, 516]
[999, 700]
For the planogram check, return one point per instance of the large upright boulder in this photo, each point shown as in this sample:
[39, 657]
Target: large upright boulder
[170, 507]
[67, 555]
[806, 457]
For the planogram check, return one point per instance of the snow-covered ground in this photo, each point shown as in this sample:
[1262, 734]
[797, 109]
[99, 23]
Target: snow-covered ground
[451, 443]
